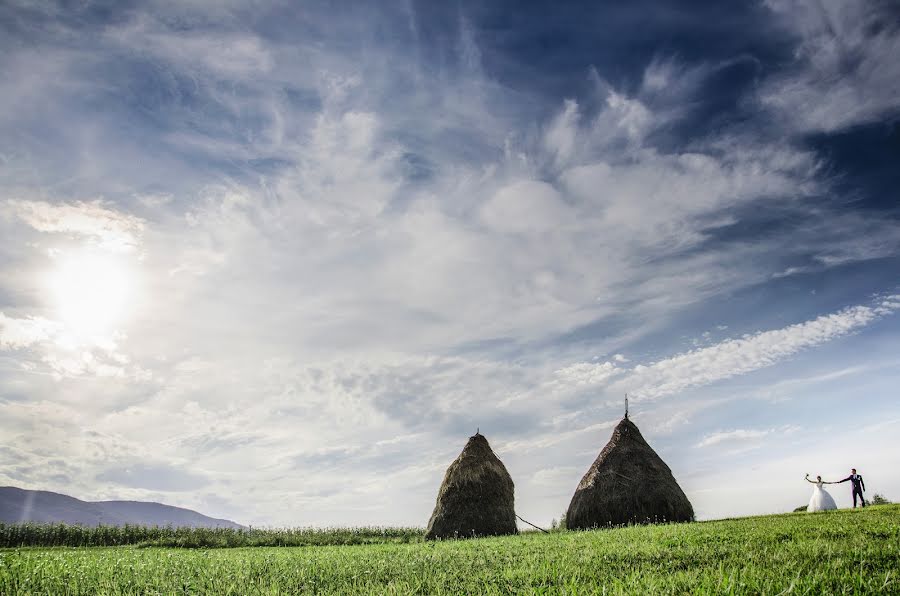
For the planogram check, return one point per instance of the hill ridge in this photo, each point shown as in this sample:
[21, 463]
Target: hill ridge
[19, 505]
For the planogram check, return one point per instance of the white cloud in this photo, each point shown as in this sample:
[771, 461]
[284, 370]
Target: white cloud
[746, 354]
[231, 55]
[740, 434]
[409, 264]
[626, 113]
[588, 373]
[671, 423]
[108, 228]
[556, 437]
[791, 271]
[50, 349]
[846, 71]
[737, 434]
[561, 136]
[527, 206]
[723, 360]
[22, 333]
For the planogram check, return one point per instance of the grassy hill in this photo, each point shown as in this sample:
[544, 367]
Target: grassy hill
[836, 552]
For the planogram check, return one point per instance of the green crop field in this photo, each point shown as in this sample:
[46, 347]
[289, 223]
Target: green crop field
[32, 534]
[835, 552]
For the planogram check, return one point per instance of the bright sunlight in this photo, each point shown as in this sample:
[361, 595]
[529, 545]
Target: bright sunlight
[91, 292]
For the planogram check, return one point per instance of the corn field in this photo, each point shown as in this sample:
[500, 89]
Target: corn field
[32, 534]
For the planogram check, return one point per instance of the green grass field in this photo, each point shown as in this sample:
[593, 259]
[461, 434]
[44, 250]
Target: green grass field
[836, 552]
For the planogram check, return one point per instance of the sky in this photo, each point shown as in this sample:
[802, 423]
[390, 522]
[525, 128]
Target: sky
[277, 261]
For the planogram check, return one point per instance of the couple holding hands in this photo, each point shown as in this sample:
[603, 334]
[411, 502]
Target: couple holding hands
[821, 500]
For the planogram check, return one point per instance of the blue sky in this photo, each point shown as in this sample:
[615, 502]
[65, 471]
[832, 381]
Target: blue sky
[278, 261]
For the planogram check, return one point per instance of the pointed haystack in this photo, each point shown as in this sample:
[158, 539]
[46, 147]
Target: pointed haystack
[627, 484]
[476, 497]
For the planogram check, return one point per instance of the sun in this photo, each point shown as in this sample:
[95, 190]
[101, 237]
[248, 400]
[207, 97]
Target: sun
[91, 292]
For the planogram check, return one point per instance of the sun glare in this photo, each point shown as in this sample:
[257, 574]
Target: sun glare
[91, 292]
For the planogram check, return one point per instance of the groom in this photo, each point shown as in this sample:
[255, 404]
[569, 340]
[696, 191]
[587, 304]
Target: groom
[858, 486]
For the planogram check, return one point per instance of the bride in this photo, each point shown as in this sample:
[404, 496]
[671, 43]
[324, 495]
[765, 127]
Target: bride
[820, 499]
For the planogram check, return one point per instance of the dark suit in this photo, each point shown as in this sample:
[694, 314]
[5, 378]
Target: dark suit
[858, 487]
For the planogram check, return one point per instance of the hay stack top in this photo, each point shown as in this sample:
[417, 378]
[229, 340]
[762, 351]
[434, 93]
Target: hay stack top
[476, 497]
[628, 483]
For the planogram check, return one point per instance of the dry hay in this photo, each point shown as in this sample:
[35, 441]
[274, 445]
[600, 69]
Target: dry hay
[627, 484]
[476, 497]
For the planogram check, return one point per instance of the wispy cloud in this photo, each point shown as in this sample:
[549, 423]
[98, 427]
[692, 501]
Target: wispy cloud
[21, 333]
[752, 352]
[726, 359]
[846, 74]
[740, 434]
[345, 238]
[108, 228]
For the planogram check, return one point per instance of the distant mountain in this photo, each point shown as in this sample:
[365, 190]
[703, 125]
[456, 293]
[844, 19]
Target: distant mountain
[18, 505]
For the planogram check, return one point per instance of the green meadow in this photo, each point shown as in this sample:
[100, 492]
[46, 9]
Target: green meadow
[850, 552]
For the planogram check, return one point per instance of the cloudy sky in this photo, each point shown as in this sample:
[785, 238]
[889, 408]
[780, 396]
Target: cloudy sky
[277, 261]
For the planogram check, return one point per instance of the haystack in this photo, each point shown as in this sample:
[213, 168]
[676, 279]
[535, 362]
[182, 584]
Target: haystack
[476, 497]
[627, 484]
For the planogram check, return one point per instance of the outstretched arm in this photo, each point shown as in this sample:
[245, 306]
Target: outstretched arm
[808, 480]
[847, 479]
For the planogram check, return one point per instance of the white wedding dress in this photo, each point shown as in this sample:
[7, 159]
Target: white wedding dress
[820, 499]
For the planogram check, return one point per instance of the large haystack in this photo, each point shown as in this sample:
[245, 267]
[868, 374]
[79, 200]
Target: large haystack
[627, 484]
[476, 497]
